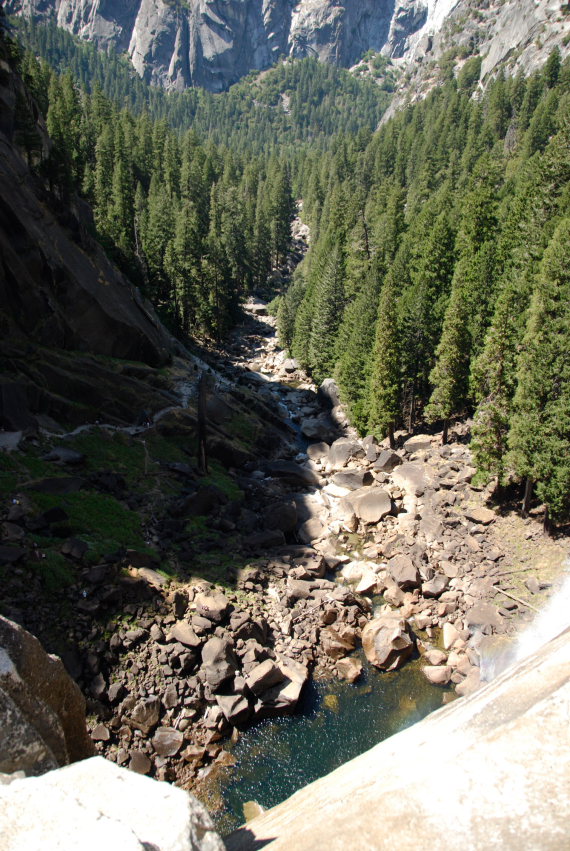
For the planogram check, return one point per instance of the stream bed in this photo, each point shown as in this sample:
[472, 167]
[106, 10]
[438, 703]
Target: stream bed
[335, 722]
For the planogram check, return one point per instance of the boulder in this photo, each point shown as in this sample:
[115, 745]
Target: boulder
[418, 443]
[387, 641]
[284, 696]
[450, 635]
[281, 515]
[312, 530]
[318, 451]
[411, 478]
[437, 675]
[291, 472]
[298, 589]
[321, 427]
[404, 572]
[218, 661]
[481, 515]
[145, 714]
[387, 461]
[167, 741]
[352, 479]
[97, 804]
[470, 684]
[43, 710]
[349, 668]
[265, 540]
[338, 641]
[342, 451]
[290, 365]
[355, 570]
[183, 632]
[370, 504]
[435, 586]
[435, 656]
[368, 582]
[483, 616]
[212, 605]
[431, 526]
[329, 393]
[236, 708]
[264, 676]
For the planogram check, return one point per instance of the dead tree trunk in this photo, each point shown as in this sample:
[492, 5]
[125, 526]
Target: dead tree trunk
[527, 496]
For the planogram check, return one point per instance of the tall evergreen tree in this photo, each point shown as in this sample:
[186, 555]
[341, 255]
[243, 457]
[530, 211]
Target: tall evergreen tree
[449, 376]
[540, 433]
[384, 387]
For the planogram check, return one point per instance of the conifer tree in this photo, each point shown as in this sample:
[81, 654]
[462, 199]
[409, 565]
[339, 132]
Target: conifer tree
[449, 376]
[384, 387]
[539, 439]
[328, 306]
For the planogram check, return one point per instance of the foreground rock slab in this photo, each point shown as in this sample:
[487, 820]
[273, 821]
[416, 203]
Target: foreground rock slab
[501, 780]
[95, 804]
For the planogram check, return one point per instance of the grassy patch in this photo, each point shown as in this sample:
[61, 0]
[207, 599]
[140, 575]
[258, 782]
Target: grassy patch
[245, 428]
[19, 467]
[216, 566]
[111, 450]
[54, 570]
[101, 520]
[219, 477]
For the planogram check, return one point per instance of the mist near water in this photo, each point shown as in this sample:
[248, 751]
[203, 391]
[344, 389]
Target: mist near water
[552, 620]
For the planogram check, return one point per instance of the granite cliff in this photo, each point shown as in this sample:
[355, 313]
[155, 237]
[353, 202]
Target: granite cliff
[213, 43]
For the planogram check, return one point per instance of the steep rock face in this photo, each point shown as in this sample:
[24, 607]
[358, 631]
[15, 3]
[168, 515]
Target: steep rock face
[43, 711]
[518, 35]
[56, 283]
[212, 43]
[62, 301]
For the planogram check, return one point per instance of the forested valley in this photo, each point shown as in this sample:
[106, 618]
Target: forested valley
[436, 284]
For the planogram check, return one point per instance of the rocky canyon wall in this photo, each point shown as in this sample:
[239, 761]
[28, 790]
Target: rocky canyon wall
[212, 43]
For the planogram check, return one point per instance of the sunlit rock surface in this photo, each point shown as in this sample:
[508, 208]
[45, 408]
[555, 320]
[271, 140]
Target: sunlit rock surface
[96, 804]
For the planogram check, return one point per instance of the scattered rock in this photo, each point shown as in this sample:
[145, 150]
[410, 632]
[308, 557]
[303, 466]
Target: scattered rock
[404, 572]
[167, 741]
[438, 675]
[481, 515]
[214, 606]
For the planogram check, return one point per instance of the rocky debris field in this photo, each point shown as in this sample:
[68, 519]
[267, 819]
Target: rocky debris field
[291, 555]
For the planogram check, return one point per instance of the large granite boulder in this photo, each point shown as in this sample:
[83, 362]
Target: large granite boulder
[387, 641]
[96, 804]
[370, 504]
[42, 708]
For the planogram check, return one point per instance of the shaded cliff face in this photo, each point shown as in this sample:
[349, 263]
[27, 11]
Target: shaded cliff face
[62, 301]
[212, 43]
